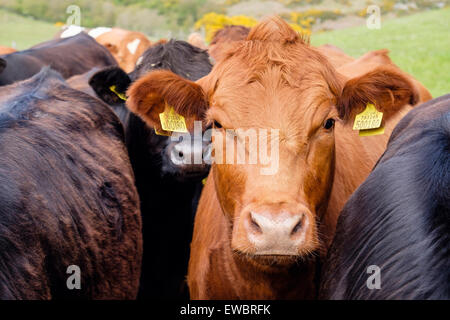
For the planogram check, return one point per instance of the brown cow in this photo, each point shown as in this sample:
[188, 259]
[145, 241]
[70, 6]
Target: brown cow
[349, 66]
[257, 236]
[226, 39]
[335, 55]
[126, 46]
[373, 59]
[196, 40]
[358, 68]
[6, 50]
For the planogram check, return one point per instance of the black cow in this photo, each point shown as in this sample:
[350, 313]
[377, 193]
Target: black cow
[169, 188]
[395, 229]
[69, 56]
[67, 195]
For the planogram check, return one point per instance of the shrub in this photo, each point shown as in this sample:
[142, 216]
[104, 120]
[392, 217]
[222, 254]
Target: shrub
[212, 22]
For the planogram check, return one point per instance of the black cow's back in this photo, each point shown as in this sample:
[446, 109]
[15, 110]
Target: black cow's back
[67, 195]
[69, 56]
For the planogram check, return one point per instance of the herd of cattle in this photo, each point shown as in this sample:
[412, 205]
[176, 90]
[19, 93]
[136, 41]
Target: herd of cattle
[87, 178]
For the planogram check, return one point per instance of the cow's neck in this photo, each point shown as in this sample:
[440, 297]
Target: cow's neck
[295, 282]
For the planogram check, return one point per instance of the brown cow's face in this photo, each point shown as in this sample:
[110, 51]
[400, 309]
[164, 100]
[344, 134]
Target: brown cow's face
[273, 212]
[275, 81]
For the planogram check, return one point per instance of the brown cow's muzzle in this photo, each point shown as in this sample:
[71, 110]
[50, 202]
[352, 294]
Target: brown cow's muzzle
[274, 231]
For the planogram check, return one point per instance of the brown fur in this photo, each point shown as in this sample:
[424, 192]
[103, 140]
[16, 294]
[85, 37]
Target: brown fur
[149, 94]
[116, 42]
[196, 40]
[6, 50]
[384, 85]
[325, 179]
[336, 56]
[80, 82]
[373, 59]
[225, 39]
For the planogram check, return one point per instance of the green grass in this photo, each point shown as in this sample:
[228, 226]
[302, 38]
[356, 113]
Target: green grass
[419, 44]
[23, 31]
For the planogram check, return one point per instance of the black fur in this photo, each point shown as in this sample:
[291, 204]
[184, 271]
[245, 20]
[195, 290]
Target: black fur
[182, 58]
[67, 195]
[169, 193]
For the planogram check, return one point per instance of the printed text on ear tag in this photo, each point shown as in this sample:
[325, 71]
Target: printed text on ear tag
[120, 95]
[368, 122]
[370, 118]
[172, 121]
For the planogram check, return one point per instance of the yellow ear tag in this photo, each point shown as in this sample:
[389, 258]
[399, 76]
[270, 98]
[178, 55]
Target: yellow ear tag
[369, 122]
[172, 121]
[120, 95]
[160, 133]
[204, 181]
[371, 132]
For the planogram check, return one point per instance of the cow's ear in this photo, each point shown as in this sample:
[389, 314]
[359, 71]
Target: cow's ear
[149, 95]
[2, 65]
[110, 85]
[386, 87]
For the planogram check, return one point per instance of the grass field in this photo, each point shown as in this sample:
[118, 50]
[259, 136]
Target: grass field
[419, 44]
[23, 31]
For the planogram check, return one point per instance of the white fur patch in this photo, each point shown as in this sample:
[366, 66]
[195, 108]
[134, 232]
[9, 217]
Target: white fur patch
[97, 32]
[71, 31]
[133, 45]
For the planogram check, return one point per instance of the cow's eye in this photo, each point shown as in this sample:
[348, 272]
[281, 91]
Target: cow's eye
[217, 125]
[329, 124]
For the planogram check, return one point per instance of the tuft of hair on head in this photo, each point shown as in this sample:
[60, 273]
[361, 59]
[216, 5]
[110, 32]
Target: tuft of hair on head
[230, 33]
[274, 29]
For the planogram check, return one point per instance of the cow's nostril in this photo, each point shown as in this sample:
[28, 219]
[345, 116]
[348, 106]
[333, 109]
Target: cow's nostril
[297, 227]
[255, 225]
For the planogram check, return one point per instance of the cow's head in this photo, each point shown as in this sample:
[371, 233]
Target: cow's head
[276, 87]
[182, 154]
[225, 39]
[179, 155]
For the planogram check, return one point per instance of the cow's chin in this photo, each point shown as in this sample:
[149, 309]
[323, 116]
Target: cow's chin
[274, 261]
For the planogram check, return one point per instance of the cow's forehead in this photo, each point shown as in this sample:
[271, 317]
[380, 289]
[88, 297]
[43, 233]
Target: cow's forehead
[267, 92]
[292, 110]
[271, 67]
